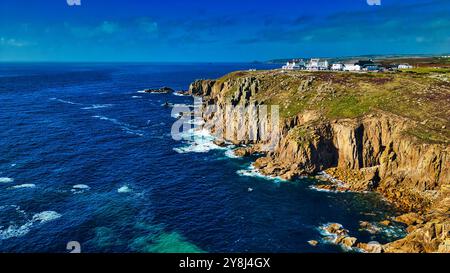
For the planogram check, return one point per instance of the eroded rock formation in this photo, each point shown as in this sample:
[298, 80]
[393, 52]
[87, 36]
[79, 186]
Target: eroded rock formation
[368, 152]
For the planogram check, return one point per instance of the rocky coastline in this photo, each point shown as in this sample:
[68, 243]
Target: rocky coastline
[369, 148]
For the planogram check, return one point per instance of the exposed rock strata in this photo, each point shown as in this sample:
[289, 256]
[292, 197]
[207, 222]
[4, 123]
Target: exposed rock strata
[369, 153]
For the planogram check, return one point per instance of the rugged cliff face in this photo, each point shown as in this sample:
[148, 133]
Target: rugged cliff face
[364, 130]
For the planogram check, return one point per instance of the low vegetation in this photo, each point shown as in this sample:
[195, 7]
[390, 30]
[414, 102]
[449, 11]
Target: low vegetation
[420, 94]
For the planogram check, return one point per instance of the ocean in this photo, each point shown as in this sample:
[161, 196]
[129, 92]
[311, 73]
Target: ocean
[86, 157]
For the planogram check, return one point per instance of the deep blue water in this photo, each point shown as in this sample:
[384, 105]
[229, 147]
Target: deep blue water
[63, 125]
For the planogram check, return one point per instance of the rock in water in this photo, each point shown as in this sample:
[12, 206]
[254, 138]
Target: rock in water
[162, 90]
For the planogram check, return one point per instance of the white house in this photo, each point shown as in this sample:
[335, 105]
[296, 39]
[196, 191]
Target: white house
[352, 67]
[317, 64]
[294, 65]
[337, 66]
[404, 66]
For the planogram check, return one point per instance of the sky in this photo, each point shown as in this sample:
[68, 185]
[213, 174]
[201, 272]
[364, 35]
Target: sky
[218, 31]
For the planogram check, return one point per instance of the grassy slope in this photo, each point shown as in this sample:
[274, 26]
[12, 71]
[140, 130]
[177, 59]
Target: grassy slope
[422, 95]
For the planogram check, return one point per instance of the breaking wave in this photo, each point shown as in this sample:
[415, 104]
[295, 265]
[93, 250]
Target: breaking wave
[252, 172]
[6, 180]
[25, 225]
[198, 141]
[23, 186]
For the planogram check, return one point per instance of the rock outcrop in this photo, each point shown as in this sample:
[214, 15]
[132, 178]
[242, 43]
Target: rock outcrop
[370, 152]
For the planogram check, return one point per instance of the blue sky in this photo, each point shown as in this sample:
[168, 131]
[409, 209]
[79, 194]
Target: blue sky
[210, 31]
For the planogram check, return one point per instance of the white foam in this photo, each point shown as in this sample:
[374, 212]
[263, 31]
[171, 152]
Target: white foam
[324, 176]
[196, 121]
[198, 141]
[252, 172]
[14, 231]
[97, 106]
[6, 180]
[23, 186]
[313, 187]
[230, 153]
[66, 101]
[124, 126]
[176, 115]
[179, 94]
[124, 189]
[45, 216]
[136, 97]
[81, 187]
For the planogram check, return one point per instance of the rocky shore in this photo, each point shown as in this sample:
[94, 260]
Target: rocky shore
[373, 132]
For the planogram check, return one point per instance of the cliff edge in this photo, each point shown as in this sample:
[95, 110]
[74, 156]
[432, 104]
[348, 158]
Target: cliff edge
[383, 132]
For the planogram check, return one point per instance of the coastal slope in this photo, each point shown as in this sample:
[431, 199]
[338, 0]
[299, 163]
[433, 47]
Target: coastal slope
[383, 132]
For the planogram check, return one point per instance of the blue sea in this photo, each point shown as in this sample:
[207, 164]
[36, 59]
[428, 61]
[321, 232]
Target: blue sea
[86, 157]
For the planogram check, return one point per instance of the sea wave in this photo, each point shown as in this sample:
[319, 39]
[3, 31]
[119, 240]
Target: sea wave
[6, 180]
[80, 188]
[23, 186]
[198, 141]
[179, 94]
[124, 189]
[230, 153]
[251, 171]
[16, 230]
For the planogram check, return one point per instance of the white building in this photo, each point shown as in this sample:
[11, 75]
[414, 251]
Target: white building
[337, 66]
[294, 65]
[352, 67]
[317, 64]
[404, 66]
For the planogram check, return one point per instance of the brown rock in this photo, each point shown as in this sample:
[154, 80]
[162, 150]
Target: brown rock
[219, 142]
[411, 218]
[313, 242]
[369, 227]
[349, 241]
[371, 247]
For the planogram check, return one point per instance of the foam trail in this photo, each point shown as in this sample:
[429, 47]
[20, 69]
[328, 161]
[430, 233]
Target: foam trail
[6, 180]
[179, 94]
[124, 126]
[252, 172]
[97, 106]
[14, 230]
[23, 186]
[199, 141]
[66, 101]
[230, 153]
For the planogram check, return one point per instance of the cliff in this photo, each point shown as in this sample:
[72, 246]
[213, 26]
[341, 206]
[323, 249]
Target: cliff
[387, 133]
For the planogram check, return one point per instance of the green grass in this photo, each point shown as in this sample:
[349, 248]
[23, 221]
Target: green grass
[414, 95]
[427, 70]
